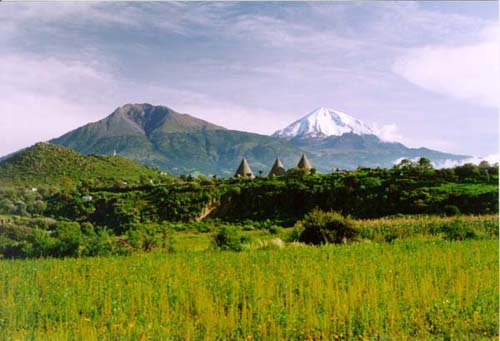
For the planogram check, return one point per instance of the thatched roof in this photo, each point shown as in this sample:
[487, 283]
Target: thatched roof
[304, 163]
[277, 169]
[244, 170]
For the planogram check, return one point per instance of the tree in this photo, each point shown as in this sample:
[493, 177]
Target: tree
[70, 238]
[484, 164]
[425, 163]
[469, 170]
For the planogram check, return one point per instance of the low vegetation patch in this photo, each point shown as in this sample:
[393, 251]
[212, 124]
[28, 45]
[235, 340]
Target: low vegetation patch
[327, 227]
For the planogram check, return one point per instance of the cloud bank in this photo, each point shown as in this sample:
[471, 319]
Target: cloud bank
[252, 66]
[467, 72]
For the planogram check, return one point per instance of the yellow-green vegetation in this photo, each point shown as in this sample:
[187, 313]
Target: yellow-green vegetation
[49, 165]
[402, 227]
[407, 289]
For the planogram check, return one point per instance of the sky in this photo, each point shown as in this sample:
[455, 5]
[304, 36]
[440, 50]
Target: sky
[421, 73]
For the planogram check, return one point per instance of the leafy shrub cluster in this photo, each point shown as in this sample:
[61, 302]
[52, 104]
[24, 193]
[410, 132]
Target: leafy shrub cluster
[327, 227]
[228, 238]
[63, 239]
[460, 230]
[451, 210]
[41, 237]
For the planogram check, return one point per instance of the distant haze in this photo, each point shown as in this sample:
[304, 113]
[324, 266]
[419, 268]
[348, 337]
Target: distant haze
[423, 73]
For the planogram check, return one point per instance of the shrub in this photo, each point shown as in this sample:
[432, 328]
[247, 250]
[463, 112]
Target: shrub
[274, 229]
[100, 243]
[70, 238]
[451, 210]
[227, 238]
[294, 236]
[327, 227]
[459, 230]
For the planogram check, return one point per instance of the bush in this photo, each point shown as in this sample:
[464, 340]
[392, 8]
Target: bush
[451, 210]
[294, 236]
[327, 227]
[459, 230]
[101, 243]
[70, 239]
[274, 229]
[228, 239]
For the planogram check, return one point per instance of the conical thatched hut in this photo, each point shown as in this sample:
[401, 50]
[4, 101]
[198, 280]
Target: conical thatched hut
[277, 169]
[304, 163]
[244, 170]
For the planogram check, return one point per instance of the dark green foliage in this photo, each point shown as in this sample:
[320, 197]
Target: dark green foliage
[459, 230]
[146, 237]
[327, 227]
[294, 235]
[70, 239]
[451, 210]
[228, 238]
[274, 229]
[27, 237]
[366, 193]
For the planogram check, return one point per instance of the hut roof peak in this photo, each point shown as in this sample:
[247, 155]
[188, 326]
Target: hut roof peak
[304, 163]
[244, 170]
[277, 169]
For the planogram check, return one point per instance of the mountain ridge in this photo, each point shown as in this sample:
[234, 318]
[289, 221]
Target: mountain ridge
[158, 136]
[177, 143]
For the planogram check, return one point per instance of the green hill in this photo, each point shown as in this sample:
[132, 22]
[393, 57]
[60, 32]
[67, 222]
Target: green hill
[53, 165]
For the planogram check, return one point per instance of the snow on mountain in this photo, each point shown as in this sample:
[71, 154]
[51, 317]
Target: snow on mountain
[324, 122]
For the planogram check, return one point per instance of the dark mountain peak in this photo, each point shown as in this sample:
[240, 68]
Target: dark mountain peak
[144, 117]
[148, 118]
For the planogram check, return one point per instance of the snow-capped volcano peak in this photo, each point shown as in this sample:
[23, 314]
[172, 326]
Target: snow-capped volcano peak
[324, 122]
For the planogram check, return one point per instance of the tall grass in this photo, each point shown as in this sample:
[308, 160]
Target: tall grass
[407, 289]
[390, 228]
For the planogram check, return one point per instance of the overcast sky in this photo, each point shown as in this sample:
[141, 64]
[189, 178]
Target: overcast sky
[425, 74]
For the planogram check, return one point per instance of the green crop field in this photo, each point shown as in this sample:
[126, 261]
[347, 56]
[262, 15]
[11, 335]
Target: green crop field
[419, 288]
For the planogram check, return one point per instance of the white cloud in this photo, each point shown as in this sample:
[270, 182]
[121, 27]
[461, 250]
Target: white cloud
[387, 132]
[491, 159]
[44, 97]
[468, 72]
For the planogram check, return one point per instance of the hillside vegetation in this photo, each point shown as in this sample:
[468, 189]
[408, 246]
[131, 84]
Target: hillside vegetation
[117, 218]
[365, 193]
[50, 165]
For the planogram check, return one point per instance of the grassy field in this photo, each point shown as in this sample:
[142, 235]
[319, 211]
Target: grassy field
[420, 288]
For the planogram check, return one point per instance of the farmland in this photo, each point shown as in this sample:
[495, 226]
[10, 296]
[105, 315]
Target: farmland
[414, 288]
